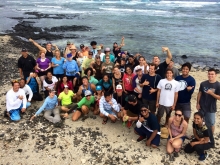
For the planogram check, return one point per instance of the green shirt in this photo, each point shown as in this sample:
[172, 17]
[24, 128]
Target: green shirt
[86, 63]
[86, 102]
[66, 99]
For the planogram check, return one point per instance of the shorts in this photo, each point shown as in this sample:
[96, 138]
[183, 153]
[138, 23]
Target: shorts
[142, 131]
[185, 108]
[131, 114]
[70, 78]
[70, 106]
[151, 104]
[111, 112]
[15, 113]
[183, 138]
[209, 118]
[161, 110]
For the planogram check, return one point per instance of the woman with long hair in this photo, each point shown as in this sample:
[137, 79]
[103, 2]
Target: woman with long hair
[116, 78]
[127, 81]
[57, 64]
[64, 81]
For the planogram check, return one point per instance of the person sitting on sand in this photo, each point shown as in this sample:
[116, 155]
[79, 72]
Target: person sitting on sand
[48, 50]
[33, 81]
[98, 94]
[26, 64]
[131, 110]
[120, 97]
[161, 67]
[49, 83]
[27, 90]
[50, 106]
[85, 86]
[15, 101]
[108, 108]
[82, 108]
[202, 135]
[177, 128]
[106, 83]
[89, 73]
[148, 127]
[65, 99]
[167, 95]
[60, 85]
[72, 69]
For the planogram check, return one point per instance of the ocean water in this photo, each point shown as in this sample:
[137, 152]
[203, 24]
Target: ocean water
[186, 27]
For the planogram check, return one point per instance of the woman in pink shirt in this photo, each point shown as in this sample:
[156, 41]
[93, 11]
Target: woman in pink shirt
[127, 80]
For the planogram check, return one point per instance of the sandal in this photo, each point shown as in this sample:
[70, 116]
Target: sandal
[104, 121]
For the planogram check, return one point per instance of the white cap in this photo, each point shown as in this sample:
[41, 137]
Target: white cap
[88, 92]
[66, 86]
[118, 87]
[137, 68]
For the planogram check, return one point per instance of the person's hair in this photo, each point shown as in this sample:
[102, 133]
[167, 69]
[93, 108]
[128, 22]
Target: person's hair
[181, 117]
[155, 66]
[128, 67]
[212, 70]
[107, 56]
[14, 82]
[57, 51]
[105, 75]
[93, 43]
[40, 52]
[187, 64]
[106, 94]
[156, 56]
[168, 70]
[141, 57]
[49, 72]
[116, 66]
[23, 80]
[85, 77]
[87, 70]
[199, 114]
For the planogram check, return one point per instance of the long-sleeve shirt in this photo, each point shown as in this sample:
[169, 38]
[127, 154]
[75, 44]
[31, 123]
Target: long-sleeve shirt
[49, 104]
[104, 106]
[71, 67]
[12, 100]
[28, 91]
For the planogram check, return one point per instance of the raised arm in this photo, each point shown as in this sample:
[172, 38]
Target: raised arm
[37, 45]
[169, 55]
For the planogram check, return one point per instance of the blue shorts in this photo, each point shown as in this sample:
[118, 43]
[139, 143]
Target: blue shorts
[15, 113]
[209, 119]
[142, 131]
[183, 138]
[111, 112]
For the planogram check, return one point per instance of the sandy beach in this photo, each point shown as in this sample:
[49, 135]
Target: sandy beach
[84, 141]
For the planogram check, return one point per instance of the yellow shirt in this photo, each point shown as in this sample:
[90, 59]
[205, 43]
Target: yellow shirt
[66, 99]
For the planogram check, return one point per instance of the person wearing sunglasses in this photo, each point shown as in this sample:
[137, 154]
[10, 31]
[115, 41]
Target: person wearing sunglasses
[202, 140]
[177, 127]
[147, 127]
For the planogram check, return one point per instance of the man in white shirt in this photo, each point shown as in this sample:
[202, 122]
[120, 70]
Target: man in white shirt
[167, 95]
[27, 90]
[15, 101]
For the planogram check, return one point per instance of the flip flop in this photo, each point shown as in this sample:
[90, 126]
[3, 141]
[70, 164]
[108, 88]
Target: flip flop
[104, 121]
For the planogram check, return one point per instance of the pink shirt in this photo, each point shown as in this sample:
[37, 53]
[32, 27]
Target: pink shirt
[127, 80]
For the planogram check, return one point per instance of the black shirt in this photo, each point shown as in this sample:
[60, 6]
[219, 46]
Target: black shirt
[49, 54]
[134, 109]
[161, 69]
[26, 64]
[120, 99]
[116, 52]
[201, 131]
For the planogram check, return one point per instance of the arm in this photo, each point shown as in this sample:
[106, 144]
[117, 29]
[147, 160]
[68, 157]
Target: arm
[169, 130]
[158, 97]
[24, 101]
[29, 92]
[37, 45]
[115, 105]
[210, 92]
[198, 100]
[152, 136]
[175, 100]
[9, 100]
[48, 66]
[101, 107]
[113, 84]
[42, 107]
[20, 72]
[169, 55]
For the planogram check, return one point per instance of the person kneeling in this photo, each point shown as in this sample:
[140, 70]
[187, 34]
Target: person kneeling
[108, 108]
[202, 137]
[148, 127]
[50, 107]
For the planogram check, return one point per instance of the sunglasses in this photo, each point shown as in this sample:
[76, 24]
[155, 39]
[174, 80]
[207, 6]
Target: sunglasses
[178, 115]
[145, 110]
[97, 57]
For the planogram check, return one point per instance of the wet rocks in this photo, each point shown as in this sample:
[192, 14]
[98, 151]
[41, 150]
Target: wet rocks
[19, 150]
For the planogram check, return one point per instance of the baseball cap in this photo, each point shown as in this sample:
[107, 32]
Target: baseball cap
[23, 50]
[52, 90]
[69, 55]
[88, 92]
[118, 87]
[68, 42]
[66, 86]
[132, 98]
[98, 88]
[137, 68]
[107, 49]
[98, 48]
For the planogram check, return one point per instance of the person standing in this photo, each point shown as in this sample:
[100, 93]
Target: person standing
[187, 86]
[97, 67]
[167, 95]
[107, 66]
[87, 62]
[26, 64]
[161, 67]
[175, 70]
[209, 93]
[136, 82]
[15, 101]
[57, 64]
[149, 83]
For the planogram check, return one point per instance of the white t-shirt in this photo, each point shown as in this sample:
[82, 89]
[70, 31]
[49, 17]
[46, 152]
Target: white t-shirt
[168, 89]
[142, 67]
[28, 91]
[138, 85]
[50, 86]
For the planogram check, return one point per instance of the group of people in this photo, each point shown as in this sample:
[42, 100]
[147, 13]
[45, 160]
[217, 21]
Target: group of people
[117, 87]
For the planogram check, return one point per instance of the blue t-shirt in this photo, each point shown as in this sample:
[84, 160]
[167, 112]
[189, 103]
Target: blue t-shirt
[105, 85]
[71, 67]
[184, 96]
[151, 122]
[153, 80]
[33, 85]
[58, 69]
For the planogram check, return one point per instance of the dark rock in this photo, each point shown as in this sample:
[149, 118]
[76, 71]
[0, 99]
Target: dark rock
[19, 150]
[184, 56]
